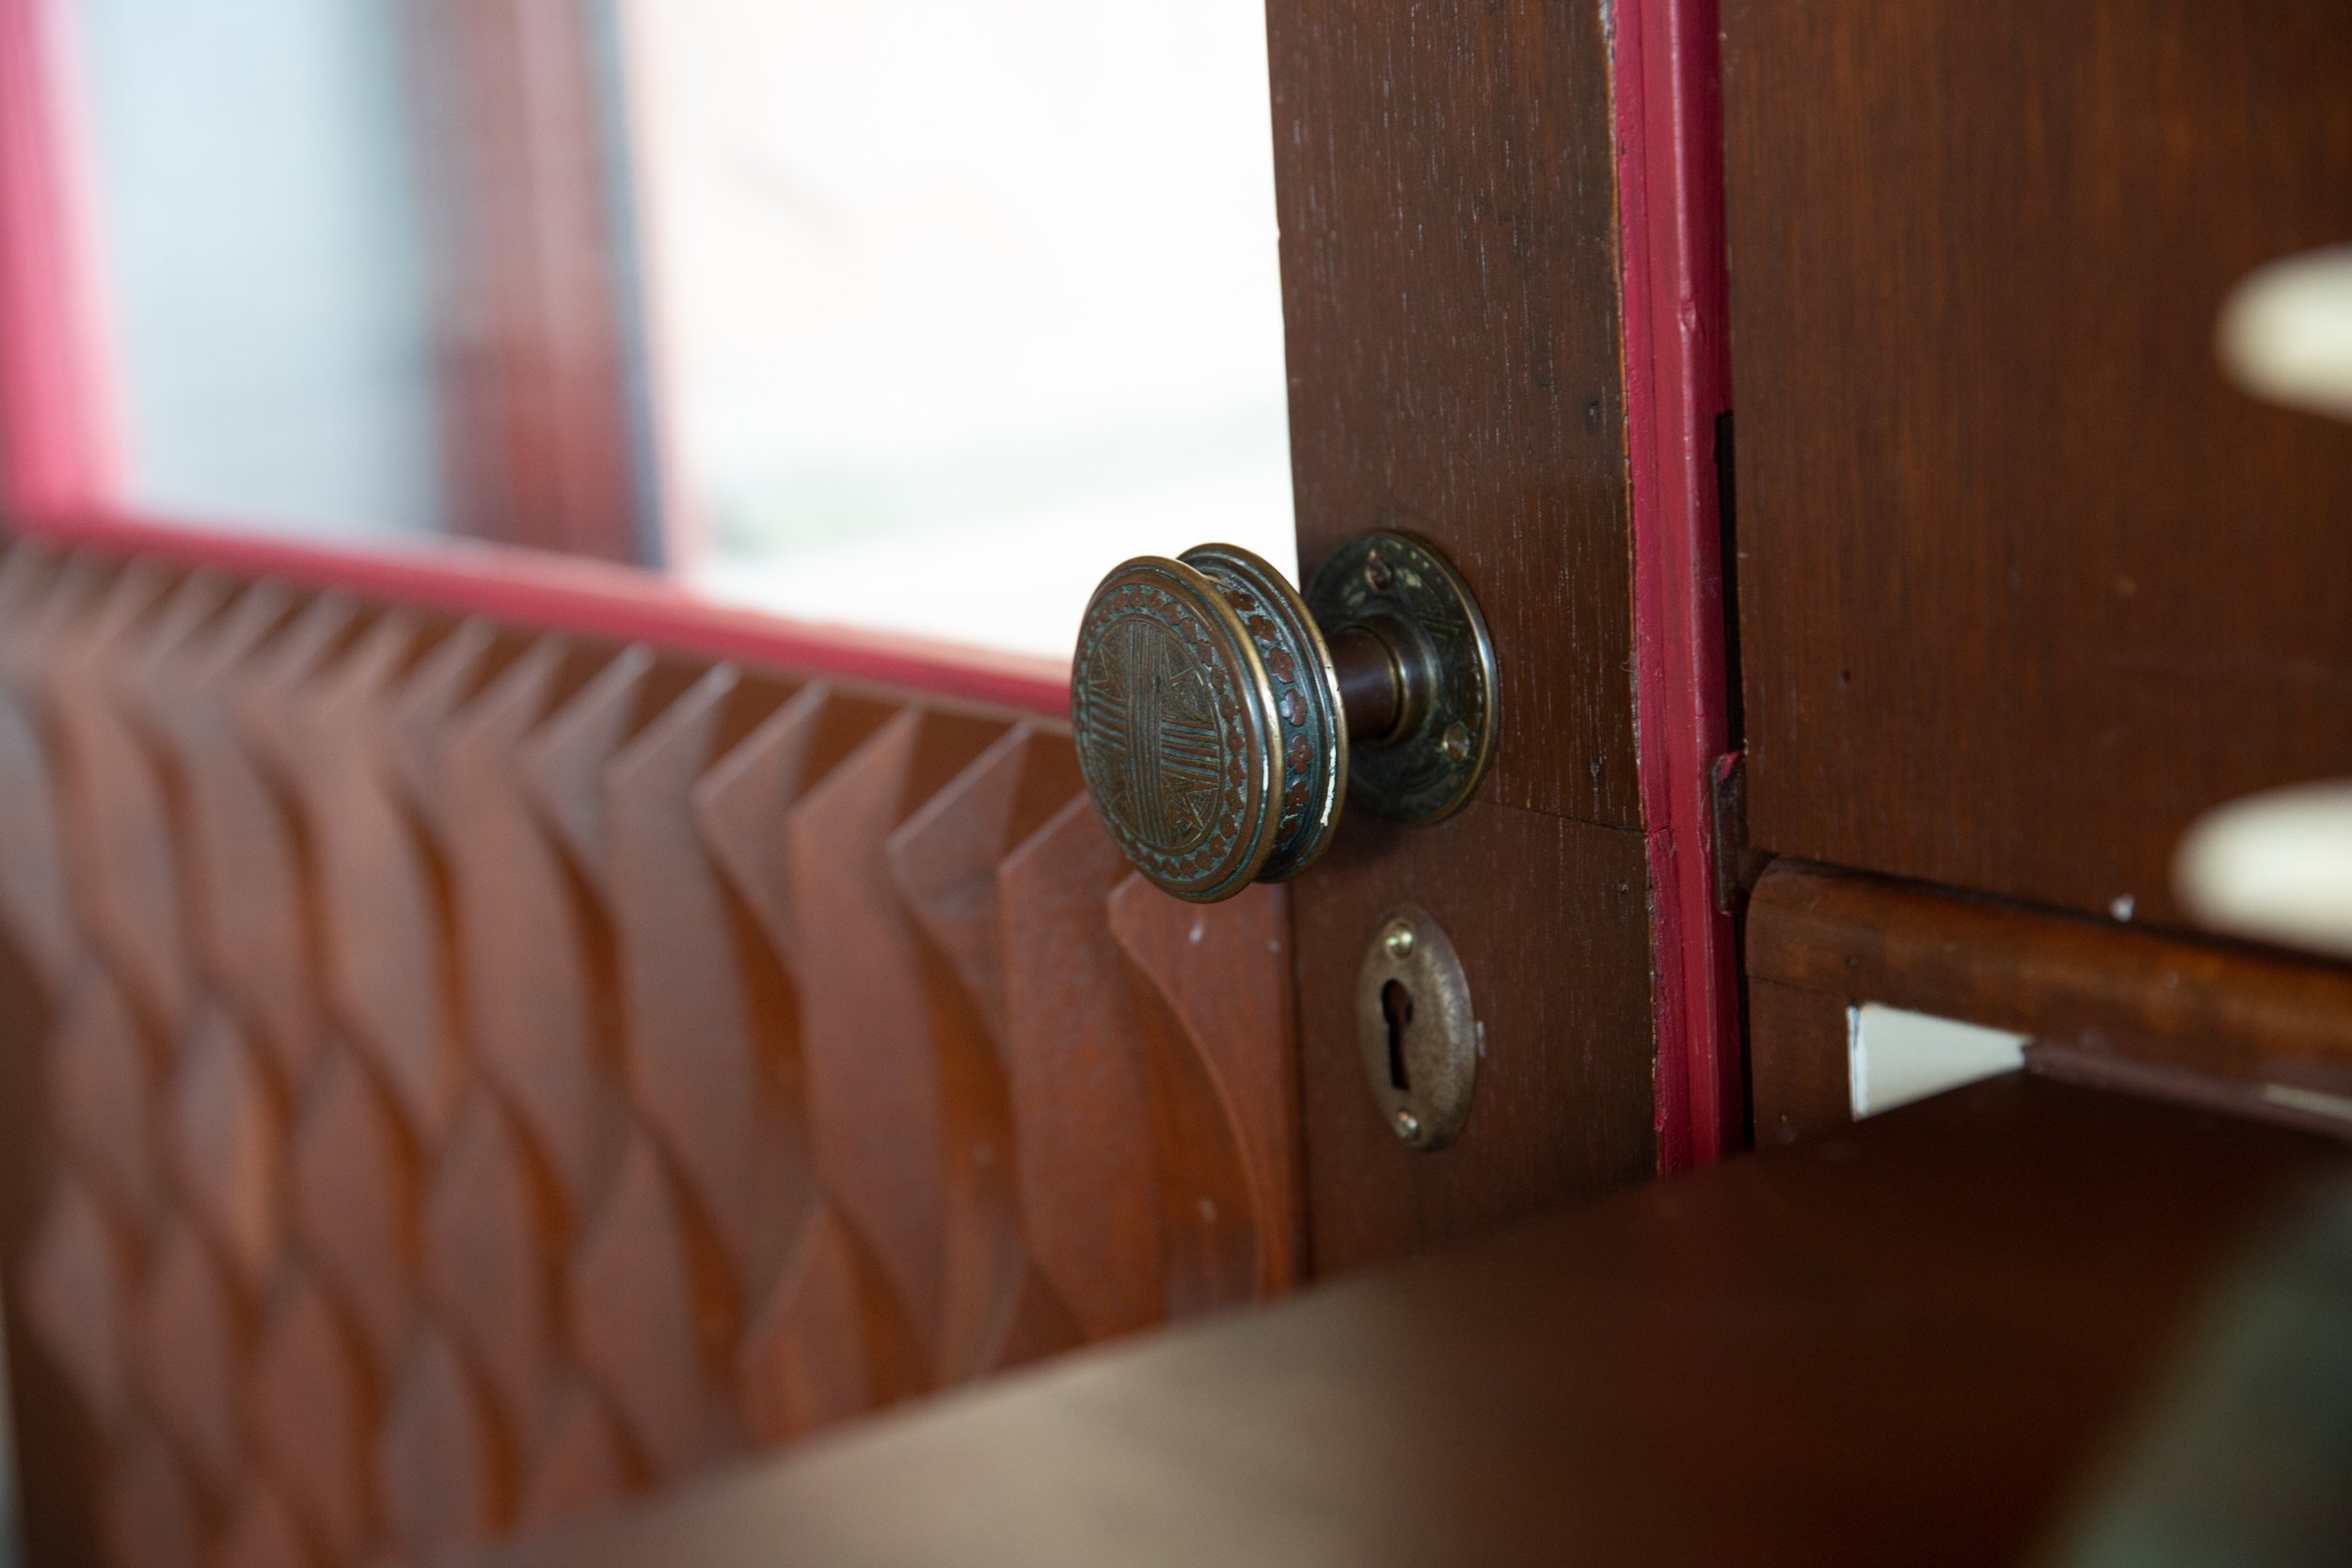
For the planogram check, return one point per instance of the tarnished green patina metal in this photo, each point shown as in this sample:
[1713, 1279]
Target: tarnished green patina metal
[1412, 598]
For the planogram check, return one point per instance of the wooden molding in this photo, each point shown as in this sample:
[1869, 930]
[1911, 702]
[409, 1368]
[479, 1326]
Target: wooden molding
[1820, 940]
[485, 1071]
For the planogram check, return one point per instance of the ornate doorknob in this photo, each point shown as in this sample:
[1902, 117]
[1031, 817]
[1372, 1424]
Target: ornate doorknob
[1221, 717]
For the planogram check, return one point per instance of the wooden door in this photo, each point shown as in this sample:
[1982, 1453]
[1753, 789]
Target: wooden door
[462, 1071]
[1499, 290]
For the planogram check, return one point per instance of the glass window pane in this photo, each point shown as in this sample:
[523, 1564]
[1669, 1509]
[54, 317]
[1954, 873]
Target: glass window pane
[960, 303]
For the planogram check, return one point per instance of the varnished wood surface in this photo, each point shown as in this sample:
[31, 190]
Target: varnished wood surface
[1447, 192]
[1450, 301]
[2025, 585]
[469, 1073]
[1800, 1071]
[1819, 940]
[1910, 1344]
[1549, 919]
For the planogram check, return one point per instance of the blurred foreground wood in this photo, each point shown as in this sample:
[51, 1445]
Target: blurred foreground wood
[1918, 1340]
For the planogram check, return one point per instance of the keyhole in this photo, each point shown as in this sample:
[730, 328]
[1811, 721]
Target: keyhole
[1396, 1006]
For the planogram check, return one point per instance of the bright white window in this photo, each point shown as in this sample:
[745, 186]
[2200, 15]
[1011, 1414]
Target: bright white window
[959, 304]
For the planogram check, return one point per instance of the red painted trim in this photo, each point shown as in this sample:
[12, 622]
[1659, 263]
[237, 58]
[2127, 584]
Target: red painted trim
[589, 598]
[1667, 83]
[57, 446]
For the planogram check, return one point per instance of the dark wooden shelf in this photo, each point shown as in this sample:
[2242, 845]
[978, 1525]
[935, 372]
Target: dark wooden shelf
[1912, 1341]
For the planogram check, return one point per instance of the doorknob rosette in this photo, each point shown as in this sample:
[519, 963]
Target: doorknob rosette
[1423, 760]
[1214, 716]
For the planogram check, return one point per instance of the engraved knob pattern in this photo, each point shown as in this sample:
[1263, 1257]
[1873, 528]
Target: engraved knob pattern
[1213, 721]
[1207, 721]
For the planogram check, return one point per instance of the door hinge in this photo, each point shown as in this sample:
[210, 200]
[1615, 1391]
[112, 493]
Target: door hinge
[1737, 865]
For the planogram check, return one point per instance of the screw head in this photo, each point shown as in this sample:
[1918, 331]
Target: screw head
[1457, 742]
[1400, 940]
[1376, 574]
[1409, 1127]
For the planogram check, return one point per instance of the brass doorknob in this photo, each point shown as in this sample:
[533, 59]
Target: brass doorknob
[1221, 717]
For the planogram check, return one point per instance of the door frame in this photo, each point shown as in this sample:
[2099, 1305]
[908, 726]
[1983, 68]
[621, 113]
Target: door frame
[1668, 83]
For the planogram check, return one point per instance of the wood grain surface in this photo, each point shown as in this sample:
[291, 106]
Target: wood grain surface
[1914, 1343]
[1549, 919]
[469, 1073]
[1447, 190]
[2025, 585]
[1800, 1071]
[1446, 182]
[2221, 1019]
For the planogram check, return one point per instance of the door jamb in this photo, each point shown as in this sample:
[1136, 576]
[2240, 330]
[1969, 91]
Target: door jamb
[1666, 81]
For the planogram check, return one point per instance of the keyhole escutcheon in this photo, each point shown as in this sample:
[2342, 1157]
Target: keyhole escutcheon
[1419, 1039]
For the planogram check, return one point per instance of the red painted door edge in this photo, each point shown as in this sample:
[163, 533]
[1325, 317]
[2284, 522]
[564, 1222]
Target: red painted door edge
[1666, 81]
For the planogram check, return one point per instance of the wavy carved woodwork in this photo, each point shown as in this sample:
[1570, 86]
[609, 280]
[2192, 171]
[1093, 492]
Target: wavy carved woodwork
[479, 1072]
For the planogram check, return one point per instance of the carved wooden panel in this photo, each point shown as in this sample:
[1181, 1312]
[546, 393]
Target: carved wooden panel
[482, 1072]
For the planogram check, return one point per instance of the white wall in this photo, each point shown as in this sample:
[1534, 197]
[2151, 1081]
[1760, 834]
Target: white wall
[962, 302]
